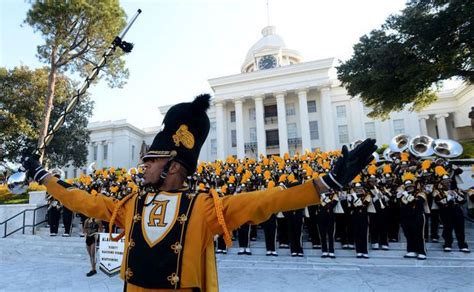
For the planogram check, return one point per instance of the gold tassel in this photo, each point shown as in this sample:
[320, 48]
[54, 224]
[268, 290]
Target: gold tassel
[220, 217]
[114, 216]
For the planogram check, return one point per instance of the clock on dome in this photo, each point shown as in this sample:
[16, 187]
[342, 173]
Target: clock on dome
[267, 62]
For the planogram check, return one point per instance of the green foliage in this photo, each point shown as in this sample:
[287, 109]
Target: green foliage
[468, 148]
[77, 33]
[22, 102]
[402, 63]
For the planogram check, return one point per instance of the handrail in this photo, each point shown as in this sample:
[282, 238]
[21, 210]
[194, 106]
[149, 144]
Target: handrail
[5, 234]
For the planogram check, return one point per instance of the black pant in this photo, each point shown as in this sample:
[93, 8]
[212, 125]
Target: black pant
[326, 229]
[244, 236]
[378, 228]
[453, 219]
[346, 227]
[53, 219]
[312, 224]
[393, 220]
[432, 228]
[67, 220]
[361, 222]
[282, 230]
[269, 228]
[253, 232]
[221, 243]
[413, 224]
[295, 228]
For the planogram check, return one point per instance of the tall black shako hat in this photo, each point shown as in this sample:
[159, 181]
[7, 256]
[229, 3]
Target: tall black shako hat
[184, 131]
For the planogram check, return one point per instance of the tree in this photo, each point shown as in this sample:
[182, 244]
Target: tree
[21, 102]
[76, 35]
[403, 62]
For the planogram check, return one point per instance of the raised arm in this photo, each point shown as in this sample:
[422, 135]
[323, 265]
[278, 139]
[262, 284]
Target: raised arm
[96, 206]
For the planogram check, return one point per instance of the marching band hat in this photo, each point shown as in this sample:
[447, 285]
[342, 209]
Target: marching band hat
[184, 131]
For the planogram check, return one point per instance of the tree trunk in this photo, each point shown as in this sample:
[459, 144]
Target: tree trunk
[48, 105]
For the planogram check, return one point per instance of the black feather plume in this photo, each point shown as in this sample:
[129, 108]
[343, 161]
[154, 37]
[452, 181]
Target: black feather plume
[202, 102]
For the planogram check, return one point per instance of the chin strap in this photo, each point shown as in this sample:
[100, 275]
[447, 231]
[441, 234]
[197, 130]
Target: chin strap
[161, 180]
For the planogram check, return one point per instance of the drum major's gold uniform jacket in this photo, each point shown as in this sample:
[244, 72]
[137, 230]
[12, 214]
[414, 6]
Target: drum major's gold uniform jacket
[198, 267]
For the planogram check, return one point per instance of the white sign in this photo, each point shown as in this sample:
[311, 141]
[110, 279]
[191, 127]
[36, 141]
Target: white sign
[110, 254]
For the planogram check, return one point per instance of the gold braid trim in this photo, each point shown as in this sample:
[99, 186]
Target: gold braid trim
[114, 215]
[220, 217]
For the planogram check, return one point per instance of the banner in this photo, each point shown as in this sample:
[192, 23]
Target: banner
[110, 254]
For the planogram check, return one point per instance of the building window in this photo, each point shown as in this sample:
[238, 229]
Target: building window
[74, 173]
[106, 150]
[253, 134]
[343, 134]
[96, 149]
[398, 126]
[232, 116]
[313, 130]
[133, 152]
[233, 136]
[271, 111]
[291, 127]
[370, 130]
[311, 106]
[252, 114]
[213, 127]
[272, 138]
[290, 109]
[341, 111]
[213, 146]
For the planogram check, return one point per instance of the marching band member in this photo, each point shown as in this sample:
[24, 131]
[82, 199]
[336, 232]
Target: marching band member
[360, 202]
[378, 214]
[389, 190]
[450, 202]
[326, 223]
[413, 206]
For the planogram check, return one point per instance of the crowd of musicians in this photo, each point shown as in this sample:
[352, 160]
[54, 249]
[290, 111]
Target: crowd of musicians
[405, 195]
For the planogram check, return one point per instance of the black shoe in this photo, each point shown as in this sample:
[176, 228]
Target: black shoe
[91, 273]
[434, 240]
[300, 254]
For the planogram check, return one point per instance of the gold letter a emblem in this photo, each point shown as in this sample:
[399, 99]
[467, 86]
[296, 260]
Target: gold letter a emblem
[158, 219]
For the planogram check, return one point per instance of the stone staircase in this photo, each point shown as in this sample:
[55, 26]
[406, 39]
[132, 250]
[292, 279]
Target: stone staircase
[58, 248]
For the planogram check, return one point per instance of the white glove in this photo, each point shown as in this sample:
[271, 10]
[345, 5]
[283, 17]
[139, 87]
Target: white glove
[410, 198]
[450, 197]
[358, 202]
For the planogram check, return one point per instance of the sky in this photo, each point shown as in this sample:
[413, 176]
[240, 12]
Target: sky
[180, 45]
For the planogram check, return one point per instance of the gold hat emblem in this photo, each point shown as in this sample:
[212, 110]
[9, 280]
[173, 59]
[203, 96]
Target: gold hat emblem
[184, 137]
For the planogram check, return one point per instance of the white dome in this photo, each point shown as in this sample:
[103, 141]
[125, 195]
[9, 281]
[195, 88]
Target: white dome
[271, 44]
[269, 40]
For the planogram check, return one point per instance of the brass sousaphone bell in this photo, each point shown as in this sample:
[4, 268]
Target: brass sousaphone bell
[421, 146]
[447, 148]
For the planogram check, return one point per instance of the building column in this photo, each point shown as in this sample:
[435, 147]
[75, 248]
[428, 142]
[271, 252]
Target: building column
[327, 120]
[260, 121]
[100, 154]
[423, 126]
[304, 120]
[282, 128]
[442, 128]
[220, 131]
[239, 125]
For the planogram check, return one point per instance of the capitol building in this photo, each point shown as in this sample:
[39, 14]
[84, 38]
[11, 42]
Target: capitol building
[280, 103]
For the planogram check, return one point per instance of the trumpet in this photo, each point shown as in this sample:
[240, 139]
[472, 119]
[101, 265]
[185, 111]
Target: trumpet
[18, 182]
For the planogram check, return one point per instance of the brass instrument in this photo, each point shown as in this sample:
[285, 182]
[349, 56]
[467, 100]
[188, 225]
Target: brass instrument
[421, 146]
